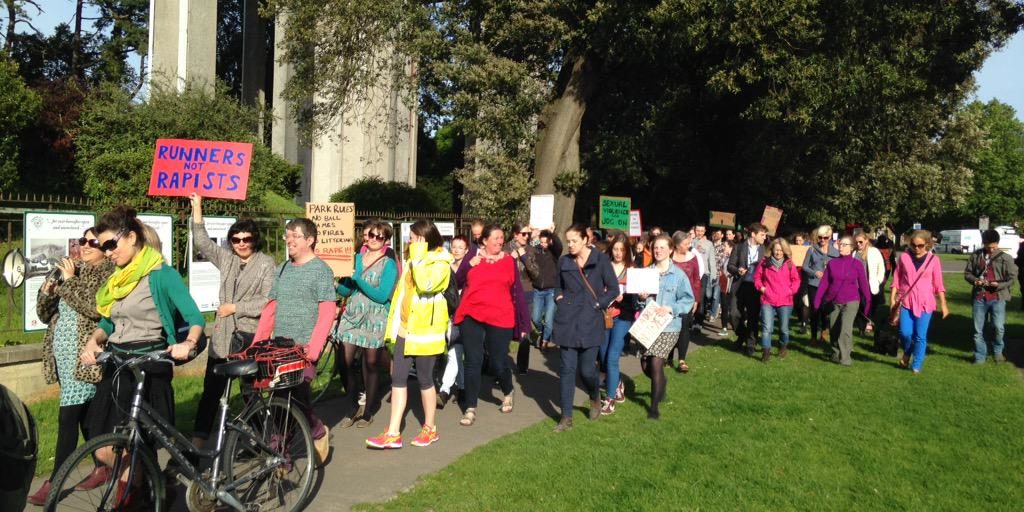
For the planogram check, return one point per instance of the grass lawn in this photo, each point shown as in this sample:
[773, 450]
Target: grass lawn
[795, 434]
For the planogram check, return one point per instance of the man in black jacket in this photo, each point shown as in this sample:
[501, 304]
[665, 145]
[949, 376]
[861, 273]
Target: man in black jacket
[545, 285]
[746, 306]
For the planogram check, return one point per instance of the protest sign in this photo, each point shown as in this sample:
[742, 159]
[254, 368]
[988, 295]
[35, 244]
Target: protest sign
[614, 213]
[164, 227]
[649, 325]
[636, 227]
[799, 254]
[49, 238]
[722, 220]
[203, 277]
[771, 218]
[445, 229]
[542, 211]
[642, 280]
[336, 228]
[208, 168]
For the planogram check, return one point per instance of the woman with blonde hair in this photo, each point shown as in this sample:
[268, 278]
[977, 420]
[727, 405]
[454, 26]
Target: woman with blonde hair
[915, 283]
[778, 281]
[818, 256]
[875, 264]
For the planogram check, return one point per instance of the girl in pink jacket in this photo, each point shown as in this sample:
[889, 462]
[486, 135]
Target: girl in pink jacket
[778, 280]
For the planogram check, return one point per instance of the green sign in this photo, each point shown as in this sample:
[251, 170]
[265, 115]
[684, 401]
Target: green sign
[614, 212]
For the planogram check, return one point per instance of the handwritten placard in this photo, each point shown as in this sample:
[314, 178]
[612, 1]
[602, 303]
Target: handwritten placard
[724, 220]
[636, 226]
[650, 324]
[614, 212]
[771, 218]
[336, 228]
[799, 254]
[209, 168]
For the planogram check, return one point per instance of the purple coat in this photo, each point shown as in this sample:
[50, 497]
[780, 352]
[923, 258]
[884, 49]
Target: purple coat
[844, 280]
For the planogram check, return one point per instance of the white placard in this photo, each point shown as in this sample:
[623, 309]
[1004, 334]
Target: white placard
[164, 227]
[649, 325]
[636, 227]
[642, 280]
[542, 211]
[48, 238]
[445, 229]
[203, 277]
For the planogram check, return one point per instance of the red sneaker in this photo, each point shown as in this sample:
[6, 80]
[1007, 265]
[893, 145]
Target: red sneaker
[426, 437]
[99, 476]
[385, 441]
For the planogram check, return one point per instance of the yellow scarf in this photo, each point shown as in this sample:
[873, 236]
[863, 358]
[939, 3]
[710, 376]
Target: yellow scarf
[124, 280]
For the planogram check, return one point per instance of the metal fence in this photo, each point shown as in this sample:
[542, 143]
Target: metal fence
[271, 224]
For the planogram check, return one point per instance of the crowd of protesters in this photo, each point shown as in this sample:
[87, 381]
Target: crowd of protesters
[456, 306]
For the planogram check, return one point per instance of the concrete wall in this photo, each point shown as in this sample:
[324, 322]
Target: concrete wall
[183, 41]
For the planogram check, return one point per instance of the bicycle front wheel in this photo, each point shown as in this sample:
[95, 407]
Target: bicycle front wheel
[270, 457]
[326, 369]
[147, 493]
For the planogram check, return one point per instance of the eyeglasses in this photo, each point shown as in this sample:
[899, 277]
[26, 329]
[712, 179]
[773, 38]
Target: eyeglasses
[111, 244]
[376, 236]
[845, 244]
[91, 242]
[293, 236]
[241, 240]
[823, 238]
[525, 233]
[858, 242]
[918, 246]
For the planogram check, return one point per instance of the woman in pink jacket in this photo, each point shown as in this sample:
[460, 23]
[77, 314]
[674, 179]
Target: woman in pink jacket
[778, 280]
[915, 283]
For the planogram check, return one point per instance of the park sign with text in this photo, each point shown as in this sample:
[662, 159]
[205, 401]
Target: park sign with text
[208, 168]
[336, 241]
[614, 213]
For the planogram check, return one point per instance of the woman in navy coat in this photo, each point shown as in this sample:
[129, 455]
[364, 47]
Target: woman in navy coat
[587, 285]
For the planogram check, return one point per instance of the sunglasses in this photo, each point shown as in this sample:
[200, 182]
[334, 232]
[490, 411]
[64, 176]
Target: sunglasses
[241, 240]
[91, 242]
[918, 246]
[111, 244]
[376, 236]
[824, 238]
[525, 233]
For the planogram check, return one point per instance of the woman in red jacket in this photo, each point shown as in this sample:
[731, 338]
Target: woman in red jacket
[778, 280]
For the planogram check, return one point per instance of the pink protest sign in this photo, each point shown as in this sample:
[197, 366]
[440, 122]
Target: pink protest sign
[209, 168]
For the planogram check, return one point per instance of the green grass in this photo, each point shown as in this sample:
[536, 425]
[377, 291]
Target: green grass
[795, 434]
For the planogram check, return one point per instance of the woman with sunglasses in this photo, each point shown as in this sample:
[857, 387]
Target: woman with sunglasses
[844, 287]
[68, 306]
[363, 322]
[915, 283]
[526, 260]
[139, 305]
[818, 256]
[246, 275]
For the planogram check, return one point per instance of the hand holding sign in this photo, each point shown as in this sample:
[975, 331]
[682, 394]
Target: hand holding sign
[214, 169]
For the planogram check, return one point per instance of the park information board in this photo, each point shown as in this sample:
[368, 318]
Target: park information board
[203, 277]
[614, 212]
[164, 227]
[445, 229]
[208, 168]
[49, 237]
[336, 241]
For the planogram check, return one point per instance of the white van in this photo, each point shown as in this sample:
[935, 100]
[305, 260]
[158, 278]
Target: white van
[1009, 240]
[959, 241]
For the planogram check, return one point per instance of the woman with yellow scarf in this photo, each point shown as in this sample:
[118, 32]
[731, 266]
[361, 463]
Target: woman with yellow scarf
[140, 305]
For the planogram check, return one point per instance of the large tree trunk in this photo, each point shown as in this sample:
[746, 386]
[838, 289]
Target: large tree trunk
[76, 44]
[558, 149]
[12, 17]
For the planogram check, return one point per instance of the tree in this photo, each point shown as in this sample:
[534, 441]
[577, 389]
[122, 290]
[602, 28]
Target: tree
[998, 186]
[374, 194]
[18, 106]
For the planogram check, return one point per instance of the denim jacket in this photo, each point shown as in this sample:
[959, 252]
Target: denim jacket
[675, 292]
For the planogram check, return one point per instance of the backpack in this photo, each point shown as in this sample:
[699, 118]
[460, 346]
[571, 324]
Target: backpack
[451, 294]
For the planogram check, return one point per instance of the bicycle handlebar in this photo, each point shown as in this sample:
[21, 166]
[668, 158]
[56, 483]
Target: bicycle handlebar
[154, 356]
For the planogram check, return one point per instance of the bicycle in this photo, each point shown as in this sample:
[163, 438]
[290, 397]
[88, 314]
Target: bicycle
[255, 454]
[327, 368]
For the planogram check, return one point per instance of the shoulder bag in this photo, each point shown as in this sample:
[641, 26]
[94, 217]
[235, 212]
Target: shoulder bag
[894, 310]
[609, 320]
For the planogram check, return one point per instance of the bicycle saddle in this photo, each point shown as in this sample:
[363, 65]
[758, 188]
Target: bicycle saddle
[242, 368]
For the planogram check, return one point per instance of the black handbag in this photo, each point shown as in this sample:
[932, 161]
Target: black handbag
[451, 294]
[240, 340]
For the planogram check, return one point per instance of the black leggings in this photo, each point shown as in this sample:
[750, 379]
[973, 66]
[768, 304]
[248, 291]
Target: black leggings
[654, 368]
[70, 420]
[683, 343]
[818, 318]
[475, 337]
[403, 363]
[209, 402]
[371, 375]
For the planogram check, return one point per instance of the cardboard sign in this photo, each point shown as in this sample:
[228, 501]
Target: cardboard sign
[771, 218]
[208, 168]
[203, 276]
[336, 235]
[723, 220]
[636, 227]
[649, 325]
[542, 211]
[49, 238]
[799, 254]
[614, 212]
[164, 227]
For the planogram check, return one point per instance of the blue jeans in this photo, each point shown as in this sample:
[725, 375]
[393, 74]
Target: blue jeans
[768, 323]
[998, 310]
[611, 351]
[573, 359]
[543, 312]
[914, 335]
[714, 296]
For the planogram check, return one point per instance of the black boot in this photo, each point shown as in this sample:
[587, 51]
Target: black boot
[766, 354]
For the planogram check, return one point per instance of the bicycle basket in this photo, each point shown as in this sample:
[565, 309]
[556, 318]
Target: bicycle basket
[277, 367]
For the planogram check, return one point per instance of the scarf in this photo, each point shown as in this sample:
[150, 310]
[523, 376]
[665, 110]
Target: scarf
[124, 280]
[776, 263]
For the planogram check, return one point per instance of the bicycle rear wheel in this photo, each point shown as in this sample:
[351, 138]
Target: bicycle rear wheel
[147, 494]
[326, 369]
[265, 433]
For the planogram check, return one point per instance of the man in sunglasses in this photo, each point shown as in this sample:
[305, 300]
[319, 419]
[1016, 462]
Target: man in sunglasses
[302, 307]
[991, 272]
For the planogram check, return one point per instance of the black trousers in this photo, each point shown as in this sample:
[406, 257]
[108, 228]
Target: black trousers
[476, 337]
[209, 402]
[748, 309]
[70, 420]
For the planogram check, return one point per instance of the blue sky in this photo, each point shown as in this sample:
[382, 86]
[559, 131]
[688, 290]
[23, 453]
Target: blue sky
[1001, 77]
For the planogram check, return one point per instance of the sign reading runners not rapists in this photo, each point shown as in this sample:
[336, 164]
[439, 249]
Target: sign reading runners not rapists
[335, 227]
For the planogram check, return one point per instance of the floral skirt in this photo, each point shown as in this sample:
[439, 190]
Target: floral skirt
[662, 345]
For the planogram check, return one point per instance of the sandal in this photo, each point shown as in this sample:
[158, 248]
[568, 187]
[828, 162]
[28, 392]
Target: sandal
[468, 418]
[904, 362]
[508, 403]
[683, 367]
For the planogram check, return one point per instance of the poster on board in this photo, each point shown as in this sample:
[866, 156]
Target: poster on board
[164, 227]
[771, 218]
[542, 211]
[446, 229]
[203, 277]
[336, 235]
[722, 220]
[209, 168]
[49, 237]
